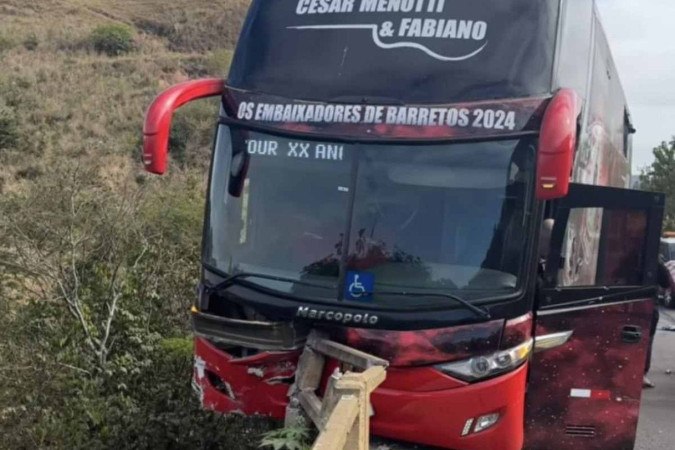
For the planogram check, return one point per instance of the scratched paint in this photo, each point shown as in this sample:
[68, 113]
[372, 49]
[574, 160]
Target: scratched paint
[257, 385]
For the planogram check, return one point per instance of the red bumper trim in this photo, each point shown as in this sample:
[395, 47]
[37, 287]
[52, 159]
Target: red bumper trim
[437, 418]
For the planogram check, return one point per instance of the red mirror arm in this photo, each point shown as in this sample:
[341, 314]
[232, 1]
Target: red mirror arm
[557, 145]
[157, 126]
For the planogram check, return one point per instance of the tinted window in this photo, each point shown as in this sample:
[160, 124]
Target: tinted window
[429, 218]
[604, 248]
[410, 51]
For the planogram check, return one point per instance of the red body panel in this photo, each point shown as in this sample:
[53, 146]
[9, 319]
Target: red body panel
[607, 371]
[251, 386]
[419, 379]
[517, 331]
[414, 348]
[438, 417]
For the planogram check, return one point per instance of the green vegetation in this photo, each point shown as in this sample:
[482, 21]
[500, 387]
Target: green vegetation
[5, 43]
[113, 40]
[9, 128]
[292, 438]
[98, 261]
[31, 42]
[659, 177]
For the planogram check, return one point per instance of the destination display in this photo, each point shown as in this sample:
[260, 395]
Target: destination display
[476, 117]
[455, 120]
[404, 51]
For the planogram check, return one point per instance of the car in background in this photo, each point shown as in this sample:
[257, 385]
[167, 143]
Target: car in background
[667, 252]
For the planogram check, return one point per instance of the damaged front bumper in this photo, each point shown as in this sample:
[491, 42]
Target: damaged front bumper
[250, 385]
[259, 335]
[256, 385]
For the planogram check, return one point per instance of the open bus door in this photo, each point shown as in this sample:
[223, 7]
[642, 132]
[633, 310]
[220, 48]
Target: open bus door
[599, 285]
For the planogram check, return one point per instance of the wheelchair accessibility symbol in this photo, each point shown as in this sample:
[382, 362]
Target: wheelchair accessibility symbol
[359, 286]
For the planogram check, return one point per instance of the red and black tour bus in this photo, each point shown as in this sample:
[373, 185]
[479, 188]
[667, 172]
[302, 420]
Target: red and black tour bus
[440, 183]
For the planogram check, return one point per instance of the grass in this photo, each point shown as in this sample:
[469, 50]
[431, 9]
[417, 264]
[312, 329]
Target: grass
[62, 104]
[71, 102]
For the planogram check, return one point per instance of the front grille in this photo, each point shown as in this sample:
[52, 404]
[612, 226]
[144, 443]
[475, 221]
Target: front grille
[580, 431]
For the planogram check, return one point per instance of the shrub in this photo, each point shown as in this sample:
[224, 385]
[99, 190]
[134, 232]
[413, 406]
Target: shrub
[192, 135]
[9, 128]
[101, 358]
[31, 42]
[287, 439]
[5, 43]
[112, 40]
[29, 173]
[218, 63]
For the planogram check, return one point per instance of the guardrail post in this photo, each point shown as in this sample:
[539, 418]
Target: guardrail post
[343, 415]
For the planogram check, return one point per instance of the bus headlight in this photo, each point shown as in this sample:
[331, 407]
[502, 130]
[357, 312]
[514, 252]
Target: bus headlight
[488, 365]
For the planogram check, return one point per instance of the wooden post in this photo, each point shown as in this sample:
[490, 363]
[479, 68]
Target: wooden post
[343, 416]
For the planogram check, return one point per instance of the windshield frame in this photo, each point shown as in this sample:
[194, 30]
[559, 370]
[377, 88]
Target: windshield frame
[373, 139]
[527, 267]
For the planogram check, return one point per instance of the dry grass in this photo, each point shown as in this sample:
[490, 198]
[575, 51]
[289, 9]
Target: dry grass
[76, 108]
[72, 103]
[189, 25]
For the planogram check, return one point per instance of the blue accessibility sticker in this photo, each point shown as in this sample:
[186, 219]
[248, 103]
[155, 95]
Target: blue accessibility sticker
[359, 286]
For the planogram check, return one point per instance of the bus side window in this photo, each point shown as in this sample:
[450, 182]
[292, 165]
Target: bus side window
[604, 248]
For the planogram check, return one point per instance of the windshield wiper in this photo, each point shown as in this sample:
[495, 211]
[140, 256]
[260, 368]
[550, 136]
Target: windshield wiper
[479, 311]
[236, 278]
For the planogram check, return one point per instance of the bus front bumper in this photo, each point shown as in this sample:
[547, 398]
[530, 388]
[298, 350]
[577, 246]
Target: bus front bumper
[447, 418]
[418, 405]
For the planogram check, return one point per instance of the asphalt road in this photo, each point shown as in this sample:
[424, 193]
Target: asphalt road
[656, 430]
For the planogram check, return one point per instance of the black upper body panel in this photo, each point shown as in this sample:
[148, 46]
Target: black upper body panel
[348, 51]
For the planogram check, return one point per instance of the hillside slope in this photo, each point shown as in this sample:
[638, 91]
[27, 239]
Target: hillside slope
[98, 261]
[189, 25]
[70, 101]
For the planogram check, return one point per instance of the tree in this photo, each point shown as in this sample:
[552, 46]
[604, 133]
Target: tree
[69, 245]
[95, 286]
[660, 177]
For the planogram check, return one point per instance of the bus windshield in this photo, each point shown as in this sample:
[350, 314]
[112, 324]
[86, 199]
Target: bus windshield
[441, 218]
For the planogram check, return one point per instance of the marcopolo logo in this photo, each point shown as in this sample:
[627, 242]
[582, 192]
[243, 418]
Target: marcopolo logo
[305, 312]
[407, 32]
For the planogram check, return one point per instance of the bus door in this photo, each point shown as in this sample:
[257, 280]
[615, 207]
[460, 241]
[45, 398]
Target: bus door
[593, 315]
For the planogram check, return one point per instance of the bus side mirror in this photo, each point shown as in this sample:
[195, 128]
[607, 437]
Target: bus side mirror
[157, 126]
[557, 144]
